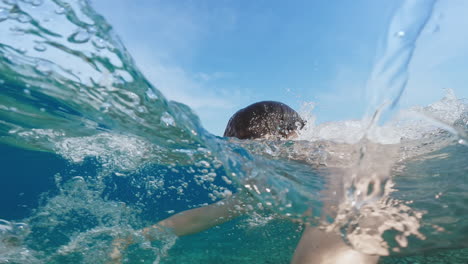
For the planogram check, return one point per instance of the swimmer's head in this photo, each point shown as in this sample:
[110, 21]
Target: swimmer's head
[264, 119]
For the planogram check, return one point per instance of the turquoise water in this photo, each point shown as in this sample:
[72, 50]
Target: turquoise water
[104, 154]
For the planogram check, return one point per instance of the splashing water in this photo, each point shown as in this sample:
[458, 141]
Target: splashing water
[69, 86]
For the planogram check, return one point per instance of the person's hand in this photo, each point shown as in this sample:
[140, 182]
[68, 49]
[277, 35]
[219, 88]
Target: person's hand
[120, 244]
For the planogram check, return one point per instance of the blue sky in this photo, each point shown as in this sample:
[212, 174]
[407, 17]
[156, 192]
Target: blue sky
[219, 56]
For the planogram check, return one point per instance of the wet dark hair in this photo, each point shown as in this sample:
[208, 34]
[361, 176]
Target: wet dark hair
[267, 118]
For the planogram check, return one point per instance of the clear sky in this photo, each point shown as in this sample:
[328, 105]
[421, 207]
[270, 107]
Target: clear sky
[219, 56]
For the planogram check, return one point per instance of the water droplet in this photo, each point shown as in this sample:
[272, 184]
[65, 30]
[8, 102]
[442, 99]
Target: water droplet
[23, 18]
[99, 43]
[92, 30]
[4, 14]
[37, 2]
[60, 11]
[400, 34]
[43, 67]
[105, 107]
[40, 47]
[141, 109]
[151, 95]
[80, 36]
[167, 119]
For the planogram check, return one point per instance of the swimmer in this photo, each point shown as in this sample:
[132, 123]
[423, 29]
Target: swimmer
[262, 120]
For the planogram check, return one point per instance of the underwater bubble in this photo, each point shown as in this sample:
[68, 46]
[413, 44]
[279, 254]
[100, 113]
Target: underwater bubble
[400, 33]
[4, 14]
[2, 81]
[167, 119]
[40, 47]
[26, 91]
[80, 36]
[20, 228]
[462, 142]
[78, 179]
[151, 95]
[226, 180]
[203, 163]
[5, 226]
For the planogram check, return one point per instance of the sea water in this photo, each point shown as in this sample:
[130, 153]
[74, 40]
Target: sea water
[102, 154]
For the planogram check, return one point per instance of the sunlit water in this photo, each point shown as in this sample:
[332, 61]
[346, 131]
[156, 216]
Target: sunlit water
[391, 184]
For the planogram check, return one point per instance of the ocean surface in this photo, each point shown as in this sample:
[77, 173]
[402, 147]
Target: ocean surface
[91, 152]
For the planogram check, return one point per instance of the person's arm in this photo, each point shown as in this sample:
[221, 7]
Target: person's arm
[187, 222]
[320, 247]
[199, 219]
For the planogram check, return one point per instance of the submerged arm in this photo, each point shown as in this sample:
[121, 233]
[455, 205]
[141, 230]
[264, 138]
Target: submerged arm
[187, 222]
[320, 247]
[199, 219]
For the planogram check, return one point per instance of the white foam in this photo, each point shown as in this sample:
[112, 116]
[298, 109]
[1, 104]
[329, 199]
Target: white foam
[408, 124]
[121, 152]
